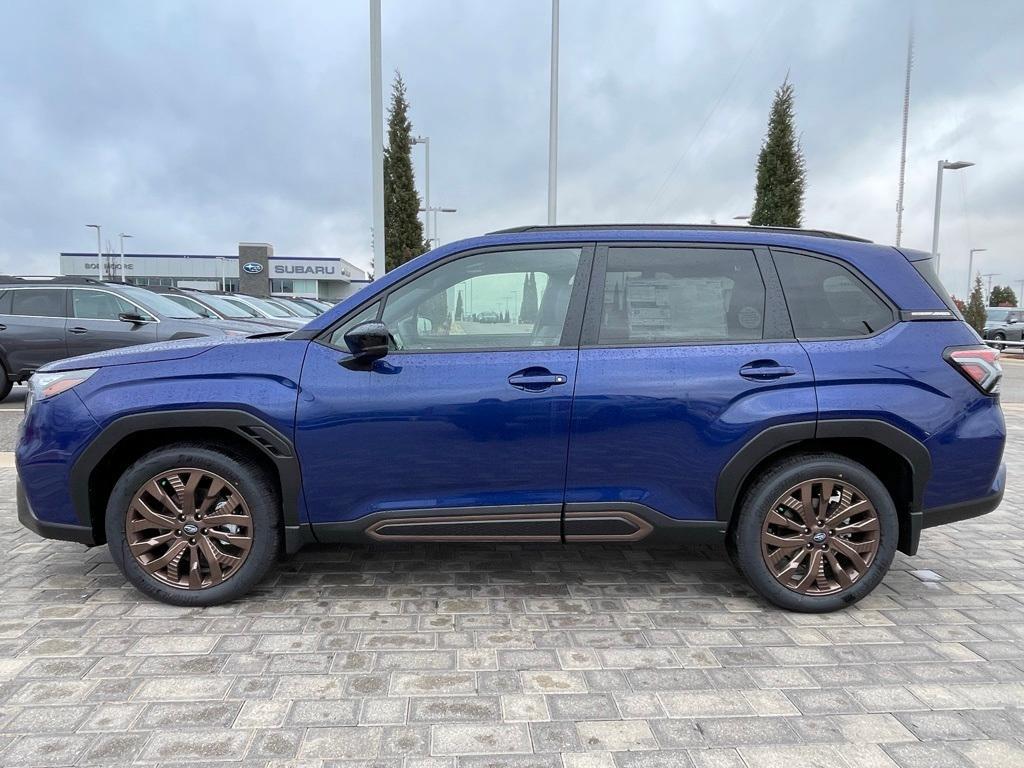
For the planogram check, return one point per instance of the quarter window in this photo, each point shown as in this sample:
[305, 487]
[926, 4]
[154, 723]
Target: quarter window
[38, 302]
[664, 295]
[503, 300]
[338, 337]
[826, 300]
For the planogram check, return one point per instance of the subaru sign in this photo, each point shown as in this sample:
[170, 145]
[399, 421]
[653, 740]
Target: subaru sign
[252, 267]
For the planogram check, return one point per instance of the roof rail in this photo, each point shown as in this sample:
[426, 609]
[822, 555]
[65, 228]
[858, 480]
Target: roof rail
[684, 227]
[50, 279]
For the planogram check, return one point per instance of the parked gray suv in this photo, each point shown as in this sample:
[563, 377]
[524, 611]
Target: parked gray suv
[48, 319]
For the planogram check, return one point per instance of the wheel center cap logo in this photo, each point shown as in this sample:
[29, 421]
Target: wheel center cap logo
[190, 528]
[819, 537]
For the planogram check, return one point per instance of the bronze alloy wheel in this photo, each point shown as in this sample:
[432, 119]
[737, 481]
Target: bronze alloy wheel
[820, 537]
[189, 528]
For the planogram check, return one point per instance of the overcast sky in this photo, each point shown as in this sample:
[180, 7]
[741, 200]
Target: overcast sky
[195, 125]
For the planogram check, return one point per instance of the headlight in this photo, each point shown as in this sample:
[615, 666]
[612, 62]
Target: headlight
[44, 385]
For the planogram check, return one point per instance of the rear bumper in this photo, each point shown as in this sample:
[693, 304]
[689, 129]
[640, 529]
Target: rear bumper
[77, 533]
[951, 513]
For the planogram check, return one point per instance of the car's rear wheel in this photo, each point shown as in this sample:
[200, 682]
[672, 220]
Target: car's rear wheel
[997, 337]
[190, 525]
[816, 533]
[5, 383]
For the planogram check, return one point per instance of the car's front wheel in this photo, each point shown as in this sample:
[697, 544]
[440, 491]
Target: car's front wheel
[816, 532]
[191, 525]
[998, 337]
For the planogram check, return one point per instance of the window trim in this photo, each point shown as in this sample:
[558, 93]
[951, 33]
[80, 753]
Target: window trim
[774, 301]
[571, 328]
[869, 284]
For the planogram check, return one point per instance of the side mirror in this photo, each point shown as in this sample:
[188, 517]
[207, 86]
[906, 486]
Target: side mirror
[132, 317]
[368, 341]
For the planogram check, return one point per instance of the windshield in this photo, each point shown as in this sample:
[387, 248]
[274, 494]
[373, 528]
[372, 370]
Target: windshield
[266, 307]
[192, 304]
[297, 307]
[997, 314]
[228, 308]
[158, 303]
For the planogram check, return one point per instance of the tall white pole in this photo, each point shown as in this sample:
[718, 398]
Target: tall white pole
[99, 248]
[903, 144]
[938, 211]
[377, 139]
[553, 118]
[426, 145]
[123, 236]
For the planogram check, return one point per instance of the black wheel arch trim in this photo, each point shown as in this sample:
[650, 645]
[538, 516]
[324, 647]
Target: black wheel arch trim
[267, 439]
[775, 439]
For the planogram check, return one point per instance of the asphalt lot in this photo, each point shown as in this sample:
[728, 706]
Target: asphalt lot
[519, 656]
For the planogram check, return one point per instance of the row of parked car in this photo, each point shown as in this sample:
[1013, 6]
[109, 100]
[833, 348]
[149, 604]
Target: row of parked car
[42, 320]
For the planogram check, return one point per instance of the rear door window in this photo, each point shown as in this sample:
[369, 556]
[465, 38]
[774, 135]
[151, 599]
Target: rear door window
[681, 295]
[38, 302]
[828, 301]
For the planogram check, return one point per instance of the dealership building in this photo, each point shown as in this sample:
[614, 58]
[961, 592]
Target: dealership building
[254, 270]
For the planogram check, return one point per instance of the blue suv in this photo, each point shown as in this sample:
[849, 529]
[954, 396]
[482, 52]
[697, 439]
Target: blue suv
[811, 400]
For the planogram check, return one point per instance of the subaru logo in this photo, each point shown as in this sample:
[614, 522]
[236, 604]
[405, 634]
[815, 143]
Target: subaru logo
[252, 267]
[190, 529]
[819, 537]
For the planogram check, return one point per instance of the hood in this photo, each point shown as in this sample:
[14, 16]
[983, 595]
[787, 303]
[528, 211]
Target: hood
[239, 326]
[143, 353]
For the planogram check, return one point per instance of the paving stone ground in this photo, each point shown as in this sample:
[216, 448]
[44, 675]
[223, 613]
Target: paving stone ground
[518, 657]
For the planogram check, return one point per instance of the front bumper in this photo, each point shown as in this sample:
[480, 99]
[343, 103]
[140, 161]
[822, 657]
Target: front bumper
[77, 533]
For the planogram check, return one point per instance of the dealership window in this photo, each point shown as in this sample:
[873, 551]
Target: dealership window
[664, 295]
[290, 286]
[166, 282]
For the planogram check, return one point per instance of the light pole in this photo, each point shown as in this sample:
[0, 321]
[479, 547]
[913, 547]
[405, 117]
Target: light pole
[427, 211]
[377, 140]
[123, 236]
[988, 287]
[99, 247]
[223, 282]
[943, 165]
[425, 141]
[553, 119]
[970, 266]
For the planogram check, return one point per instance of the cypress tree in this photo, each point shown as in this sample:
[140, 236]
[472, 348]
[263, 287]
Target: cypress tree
[458, 307]
[779, 192]
[975, 313]
[528, 307]
[403, 231]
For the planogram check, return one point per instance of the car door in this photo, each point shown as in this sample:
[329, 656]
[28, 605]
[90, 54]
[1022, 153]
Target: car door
[93, 324]
[32, 327]
[687, 354]
[461, 430]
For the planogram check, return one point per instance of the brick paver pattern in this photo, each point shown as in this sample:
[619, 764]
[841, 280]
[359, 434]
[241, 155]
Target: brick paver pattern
[518, 656]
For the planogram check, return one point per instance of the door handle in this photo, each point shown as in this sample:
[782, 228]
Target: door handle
[78, 329]
[536, 379]
[766, 370]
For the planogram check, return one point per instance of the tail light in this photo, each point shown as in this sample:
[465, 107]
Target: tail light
[979, 364]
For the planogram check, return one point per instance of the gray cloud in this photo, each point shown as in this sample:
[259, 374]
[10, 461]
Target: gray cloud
[194, 125]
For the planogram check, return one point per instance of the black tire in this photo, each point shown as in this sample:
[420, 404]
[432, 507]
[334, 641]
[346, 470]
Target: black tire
[251, 482]
[5, 383]
[997, 337]
[769, 487]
